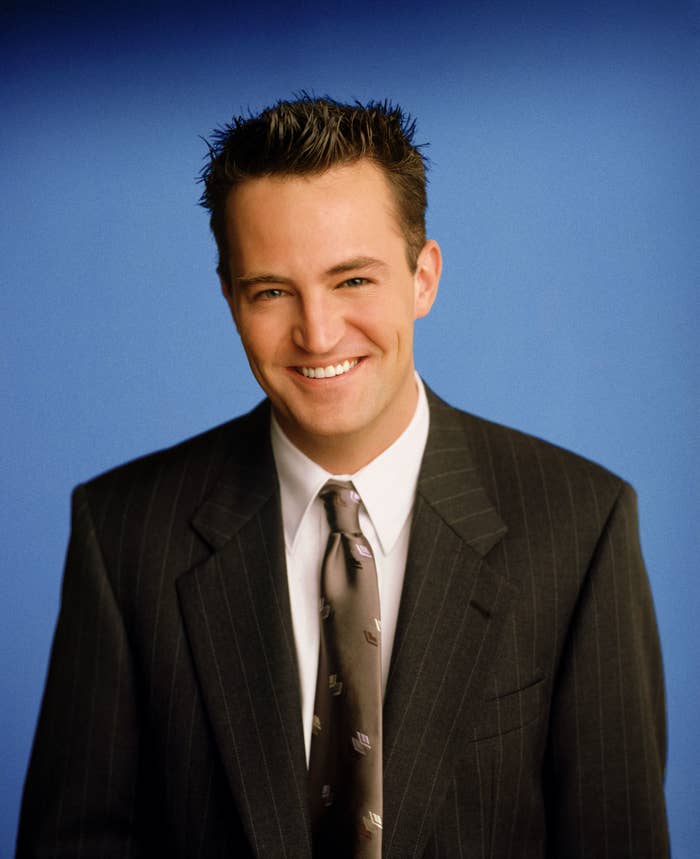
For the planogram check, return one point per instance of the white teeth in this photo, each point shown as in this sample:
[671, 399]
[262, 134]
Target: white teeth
[328, 372]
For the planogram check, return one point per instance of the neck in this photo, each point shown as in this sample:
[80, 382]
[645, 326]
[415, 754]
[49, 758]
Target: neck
[339, 456]
[348, 453]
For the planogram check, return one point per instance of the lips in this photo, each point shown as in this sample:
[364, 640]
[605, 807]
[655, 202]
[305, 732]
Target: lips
[328, 372]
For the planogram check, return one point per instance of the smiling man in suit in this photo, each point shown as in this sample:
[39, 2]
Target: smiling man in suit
[356, 621]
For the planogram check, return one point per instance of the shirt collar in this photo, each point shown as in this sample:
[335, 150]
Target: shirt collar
[395, 470]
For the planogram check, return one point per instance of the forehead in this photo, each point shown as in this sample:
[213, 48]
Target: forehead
[348, 195]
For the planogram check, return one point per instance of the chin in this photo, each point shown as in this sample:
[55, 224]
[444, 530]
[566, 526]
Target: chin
[327, 430]
[320, 429]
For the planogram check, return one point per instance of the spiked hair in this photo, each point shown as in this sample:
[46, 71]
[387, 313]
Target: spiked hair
[308, 136]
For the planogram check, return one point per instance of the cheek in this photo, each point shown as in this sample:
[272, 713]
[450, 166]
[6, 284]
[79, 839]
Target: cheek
[391, 325]
[384, 317]
[258, 332]
[267, 341]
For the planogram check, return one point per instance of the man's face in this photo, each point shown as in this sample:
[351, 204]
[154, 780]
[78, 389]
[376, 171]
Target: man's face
[324, 302]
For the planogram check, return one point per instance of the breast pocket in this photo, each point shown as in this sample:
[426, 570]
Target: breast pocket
[499, 715]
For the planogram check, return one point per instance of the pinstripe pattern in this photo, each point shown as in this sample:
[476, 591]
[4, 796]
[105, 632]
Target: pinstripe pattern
[524, 711]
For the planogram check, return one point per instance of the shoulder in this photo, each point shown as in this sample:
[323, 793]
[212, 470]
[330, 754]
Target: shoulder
[522, 472]
[193, 465]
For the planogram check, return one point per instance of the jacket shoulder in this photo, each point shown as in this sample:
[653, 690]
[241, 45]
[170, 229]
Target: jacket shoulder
[200, 457]
[504, 441]
[520, 468]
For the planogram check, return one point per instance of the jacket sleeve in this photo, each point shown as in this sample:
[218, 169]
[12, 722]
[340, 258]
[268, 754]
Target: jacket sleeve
[80, 796]
[607, 749]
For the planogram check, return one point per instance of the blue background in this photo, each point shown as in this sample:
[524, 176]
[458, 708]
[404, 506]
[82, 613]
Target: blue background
[564, 142]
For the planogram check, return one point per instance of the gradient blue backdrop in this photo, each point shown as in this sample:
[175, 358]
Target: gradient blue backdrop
[564, 142]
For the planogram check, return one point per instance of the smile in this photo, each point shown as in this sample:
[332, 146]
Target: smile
[327, 372]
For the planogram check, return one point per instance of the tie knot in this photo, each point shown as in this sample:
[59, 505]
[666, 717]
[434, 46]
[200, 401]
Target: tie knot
[342, 506]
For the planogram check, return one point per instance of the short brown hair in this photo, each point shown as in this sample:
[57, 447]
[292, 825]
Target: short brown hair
[310, 135]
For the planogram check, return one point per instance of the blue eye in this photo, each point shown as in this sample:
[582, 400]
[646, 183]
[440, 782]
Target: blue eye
[268, 294]
[355, 281]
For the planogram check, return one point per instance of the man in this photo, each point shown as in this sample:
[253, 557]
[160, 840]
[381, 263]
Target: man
[189, 708]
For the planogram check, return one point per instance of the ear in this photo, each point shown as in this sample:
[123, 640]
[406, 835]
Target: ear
[426, 278]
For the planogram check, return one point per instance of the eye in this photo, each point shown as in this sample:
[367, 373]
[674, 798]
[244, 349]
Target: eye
[268, 294]
[355, 281]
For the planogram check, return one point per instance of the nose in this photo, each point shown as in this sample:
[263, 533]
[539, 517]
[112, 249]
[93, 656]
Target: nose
[319, 325]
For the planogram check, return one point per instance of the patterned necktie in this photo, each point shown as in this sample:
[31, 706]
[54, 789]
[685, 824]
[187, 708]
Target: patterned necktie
[345, 767]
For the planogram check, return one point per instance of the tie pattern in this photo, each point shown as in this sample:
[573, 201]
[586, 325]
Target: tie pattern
[345, 767]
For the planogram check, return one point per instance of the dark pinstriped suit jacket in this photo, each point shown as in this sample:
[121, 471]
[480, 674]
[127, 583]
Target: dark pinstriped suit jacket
[524, 713]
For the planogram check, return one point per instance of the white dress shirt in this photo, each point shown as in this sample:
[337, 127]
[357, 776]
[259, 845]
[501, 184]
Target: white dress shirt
[386, 525]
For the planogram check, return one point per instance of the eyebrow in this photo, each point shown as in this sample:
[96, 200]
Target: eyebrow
[355, 264]
[246, 280]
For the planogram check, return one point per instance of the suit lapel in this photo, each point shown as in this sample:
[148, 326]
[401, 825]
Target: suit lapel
[238, 622]
[452, 610]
